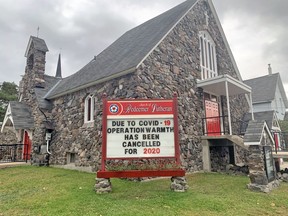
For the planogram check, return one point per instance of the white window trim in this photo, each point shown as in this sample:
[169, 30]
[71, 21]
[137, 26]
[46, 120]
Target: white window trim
[208, 61]
[87, 118]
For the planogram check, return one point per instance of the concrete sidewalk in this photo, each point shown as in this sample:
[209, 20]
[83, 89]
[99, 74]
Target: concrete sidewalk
[5, 165]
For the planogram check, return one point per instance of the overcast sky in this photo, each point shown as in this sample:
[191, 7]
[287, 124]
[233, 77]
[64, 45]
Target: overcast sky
[255, 29]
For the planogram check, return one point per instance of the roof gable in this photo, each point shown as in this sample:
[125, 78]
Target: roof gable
[126, 52]
[264, 88]
[20, 115]
[268, 116]
[131, 49]
[38, 43]
[256, 131]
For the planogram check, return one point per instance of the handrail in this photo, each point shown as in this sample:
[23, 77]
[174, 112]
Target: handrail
[224, 128]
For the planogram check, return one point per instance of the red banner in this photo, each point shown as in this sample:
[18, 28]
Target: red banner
[134, 107]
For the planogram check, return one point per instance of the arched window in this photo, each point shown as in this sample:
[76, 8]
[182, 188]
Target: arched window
[207, 56]
[89, 109]
[30, 62]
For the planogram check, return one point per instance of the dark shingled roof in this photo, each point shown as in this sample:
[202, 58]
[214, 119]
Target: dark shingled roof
[41, 92]
[21, 115]
[125, 53]
[267, 116]
[264, 88]
[38, 43]
[254, 132]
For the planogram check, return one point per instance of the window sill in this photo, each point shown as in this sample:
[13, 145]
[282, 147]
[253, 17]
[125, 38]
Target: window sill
[88, 124]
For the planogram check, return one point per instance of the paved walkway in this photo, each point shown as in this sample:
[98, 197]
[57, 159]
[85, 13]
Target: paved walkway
[4, 165]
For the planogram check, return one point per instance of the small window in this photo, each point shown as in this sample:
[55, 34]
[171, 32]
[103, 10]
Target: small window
[71, 157]
[207, 56]
[89, 109]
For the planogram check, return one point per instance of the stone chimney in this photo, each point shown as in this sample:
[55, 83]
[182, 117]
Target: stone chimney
[269, 69]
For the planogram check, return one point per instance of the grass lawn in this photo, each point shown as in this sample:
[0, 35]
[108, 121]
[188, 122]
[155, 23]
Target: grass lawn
[29, 190]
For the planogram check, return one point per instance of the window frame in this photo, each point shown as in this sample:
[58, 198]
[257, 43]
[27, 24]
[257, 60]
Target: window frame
[70, 158]
[89, 109]
[208, 60]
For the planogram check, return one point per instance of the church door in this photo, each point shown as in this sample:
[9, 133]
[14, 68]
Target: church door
[213, 127]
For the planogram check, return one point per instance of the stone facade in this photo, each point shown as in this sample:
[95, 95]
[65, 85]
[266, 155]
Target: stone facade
[262, 173]
[173, 66]
[34, 78]
[8, 136]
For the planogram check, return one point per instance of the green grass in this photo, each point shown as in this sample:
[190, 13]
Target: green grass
[29, 190]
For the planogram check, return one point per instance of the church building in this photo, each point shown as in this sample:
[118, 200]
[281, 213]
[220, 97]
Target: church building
[183, 50]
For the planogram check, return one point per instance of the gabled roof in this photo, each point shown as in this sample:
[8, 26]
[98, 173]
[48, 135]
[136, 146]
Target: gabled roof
[255, 132]
[127, 52]
[19, 114]
[268, 116]
[38, 43]
[41, 92]
[130, 50]
[264, 88]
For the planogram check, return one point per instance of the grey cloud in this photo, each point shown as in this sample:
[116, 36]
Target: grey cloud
[261, 16]
[97, 23]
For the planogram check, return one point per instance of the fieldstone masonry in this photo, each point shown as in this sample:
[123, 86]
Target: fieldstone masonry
[261, 178]
[103, 185]
[173, 66]
[8, 136]
[257, 171]
[179, 184]
[34, 78]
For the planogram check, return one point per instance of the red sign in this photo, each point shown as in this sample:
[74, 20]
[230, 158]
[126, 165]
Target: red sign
[137, 129]
[140, 107]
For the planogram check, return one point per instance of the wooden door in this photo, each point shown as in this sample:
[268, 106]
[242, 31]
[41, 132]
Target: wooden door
[27, 146]
[213, 127]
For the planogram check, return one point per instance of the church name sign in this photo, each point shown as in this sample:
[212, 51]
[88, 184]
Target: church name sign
[139, 129]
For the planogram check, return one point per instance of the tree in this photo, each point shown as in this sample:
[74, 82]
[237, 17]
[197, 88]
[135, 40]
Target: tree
[283, 125]
[8, 92]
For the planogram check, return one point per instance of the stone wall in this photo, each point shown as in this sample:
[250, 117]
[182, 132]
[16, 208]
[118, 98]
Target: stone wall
[173, 66]
[8, 136]
[220, 158]
[258, 173]
[34, 78]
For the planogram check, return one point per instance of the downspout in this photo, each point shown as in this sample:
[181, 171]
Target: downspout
[47, 140]
[48, 147]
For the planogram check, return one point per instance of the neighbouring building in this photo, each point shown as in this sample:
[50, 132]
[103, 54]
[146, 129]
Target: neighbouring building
[183, 50]
[268, 94]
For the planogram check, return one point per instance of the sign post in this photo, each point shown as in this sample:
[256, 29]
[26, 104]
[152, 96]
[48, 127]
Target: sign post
[138, 130]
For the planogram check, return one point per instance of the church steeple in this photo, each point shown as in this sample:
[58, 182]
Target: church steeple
[58, 70]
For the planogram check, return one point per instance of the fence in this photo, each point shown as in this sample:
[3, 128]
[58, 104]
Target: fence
[13, 153]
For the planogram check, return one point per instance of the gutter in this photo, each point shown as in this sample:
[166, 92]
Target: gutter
[122, 73]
